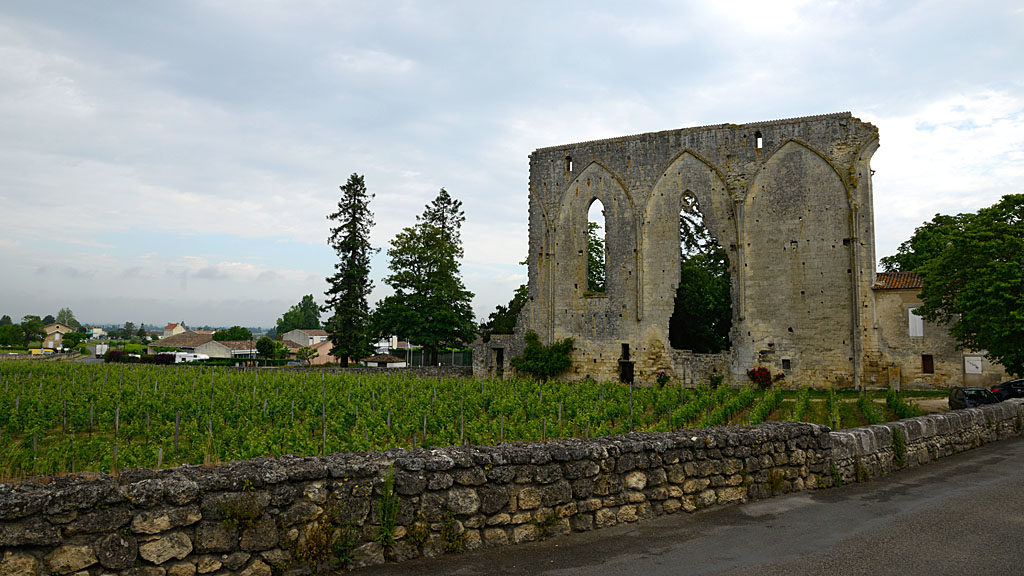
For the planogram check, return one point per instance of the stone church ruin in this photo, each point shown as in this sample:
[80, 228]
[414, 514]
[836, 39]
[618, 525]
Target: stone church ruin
[790, 202]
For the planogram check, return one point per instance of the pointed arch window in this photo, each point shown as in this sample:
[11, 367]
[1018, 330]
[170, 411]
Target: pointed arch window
[596, 250]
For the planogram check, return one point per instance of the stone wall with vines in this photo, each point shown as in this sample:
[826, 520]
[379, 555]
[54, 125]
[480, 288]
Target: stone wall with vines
[291, 515]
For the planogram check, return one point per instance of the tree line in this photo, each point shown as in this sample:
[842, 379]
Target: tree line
[429, 305]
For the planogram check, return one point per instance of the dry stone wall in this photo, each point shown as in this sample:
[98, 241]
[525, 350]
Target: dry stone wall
[293, 515]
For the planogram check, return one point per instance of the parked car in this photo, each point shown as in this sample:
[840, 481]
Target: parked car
[970, 398]
[1009, 389]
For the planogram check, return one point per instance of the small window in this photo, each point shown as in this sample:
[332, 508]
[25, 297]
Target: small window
[916, 324]
[787, 364]
[568, 163]
[759, 140]
[927, 364]
[625, 352]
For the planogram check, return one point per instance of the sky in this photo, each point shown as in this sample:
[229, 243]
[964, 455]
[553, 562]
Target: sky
[175, 161]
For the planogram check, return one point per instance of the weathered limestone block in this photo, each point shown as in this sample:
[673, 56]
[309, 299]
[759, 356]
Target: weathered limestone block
[32, 531]
[99, 521]
[695, 485]
[316, 493]
[181, 569]
[626, 514]
[470, 476]
[636, 480]
[605, 517]
[495, 537]
[529, 498]
[235, 561]
[369, 554]
[499, 519]
[492, 498]
[463, 501]
[176, 545]
[299, 512]
[67, 559]
[524, 533]
[207, 564]
[117, 552]
[216, 536]
[582, 522]
[257, 568]
[732, 494]
[440, 481]
[18, 564]
[156, 521]
[262, 535]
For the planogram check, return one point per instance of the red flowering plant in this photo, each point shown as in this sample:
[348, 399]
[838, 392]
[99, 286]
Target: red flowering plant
[762, 377]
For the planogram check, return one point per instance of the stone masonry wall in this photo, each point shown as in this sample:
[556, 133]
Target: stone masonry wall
[288, 515]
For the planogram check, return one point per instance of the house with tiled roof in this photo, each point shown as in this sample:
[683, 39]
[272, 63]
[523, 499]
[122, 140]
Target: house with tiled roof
[174, 329]
[228, 348]
[185, 342]
[383, 361]
[306, 336]
[55, 335]
[918, 353]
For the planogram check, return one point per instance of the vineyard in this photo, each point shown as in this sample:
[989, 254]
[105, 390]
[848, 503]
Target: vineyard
[58, 417]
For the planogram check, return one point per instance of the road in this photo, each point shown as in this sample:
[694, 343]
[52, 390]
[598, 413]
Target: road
[959, 515]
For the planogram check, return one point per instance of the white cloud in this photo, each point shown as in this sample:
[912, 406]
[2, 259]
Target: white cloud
[954, 155]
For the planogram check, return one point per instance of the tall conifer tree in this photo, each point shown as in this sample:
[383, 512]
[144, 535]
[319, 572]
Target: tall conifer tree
[350, 285]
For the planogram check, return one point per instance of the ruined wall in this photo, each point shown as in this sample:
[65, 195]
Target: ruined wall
[790, 201]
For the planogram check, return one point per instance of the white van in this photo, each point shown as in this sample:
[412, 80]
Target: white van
[180, 357]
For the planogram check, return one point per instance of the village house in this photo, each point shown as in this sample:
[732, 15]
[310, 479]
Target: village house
[55, 332]
[305, 336]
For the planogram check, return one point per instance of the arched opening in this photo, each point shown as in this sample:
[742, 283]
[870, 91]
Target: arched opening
[596, 251]
[702, 314]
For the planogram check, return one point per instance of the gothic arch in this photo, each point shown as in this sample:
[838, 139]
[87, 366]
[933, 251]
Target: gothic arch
[686, 174]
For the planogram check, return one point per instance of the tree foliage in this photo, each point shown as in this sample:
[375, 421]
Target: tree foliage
[350, 285]
[595, 258]
[975, 282]
[503, 319]
[430, 305]
[544, 362]
[66, 317]
[6, 320]
[702, 316]
[235, 333]
[306, 354]
[304, 315]
[927, 243]
[12, 335]
[33, 329]
[266, 347]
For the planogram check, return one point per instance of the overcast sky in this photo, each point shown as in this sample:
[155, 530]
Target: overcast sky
[168, 161]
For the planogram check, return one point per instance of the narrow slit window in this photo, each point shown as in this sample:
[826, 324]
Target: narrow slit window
[568, 163]
[759, 140]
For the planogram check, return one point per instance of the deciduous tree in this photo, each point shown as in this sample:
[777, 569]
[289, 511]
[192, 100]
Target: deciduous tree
[350, 285]
[702, 314]
[430, 305]
[66, 317]
[304, 315]
[234, 333]
[503, 319]
[975, 282]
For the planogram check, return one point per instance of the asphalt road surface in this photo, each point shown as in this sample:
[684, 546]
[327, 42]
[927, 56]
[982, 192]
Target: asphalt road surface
[959, 515]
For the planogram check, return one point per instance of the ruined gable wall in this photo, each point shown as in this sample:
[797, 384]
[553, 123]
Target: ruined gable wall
[808, 183]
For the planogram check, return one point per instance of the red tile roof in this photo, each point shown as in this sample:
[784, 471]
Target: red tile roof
[898, 281]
